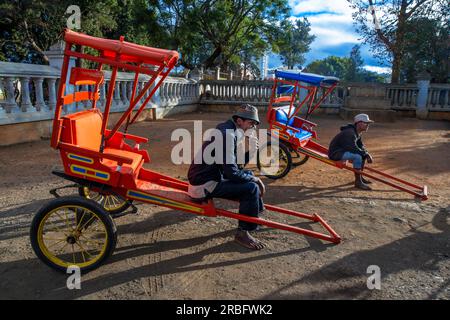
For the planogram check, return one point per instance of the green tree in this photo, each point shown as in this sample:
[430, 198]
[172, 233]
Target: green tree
[28, 27]
[330, 66]
[210, 33]
[354, 71]
[293, 42]
[386, 31]
[345, 68]
[427, 48]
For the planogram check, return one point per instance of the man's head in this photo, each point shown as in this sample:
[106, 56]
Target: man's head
[246, 117]
[362, 122]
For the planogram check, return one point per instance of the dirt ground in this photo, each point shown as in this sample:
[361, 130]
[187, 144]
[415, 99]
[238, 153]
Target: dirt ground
[167, 254]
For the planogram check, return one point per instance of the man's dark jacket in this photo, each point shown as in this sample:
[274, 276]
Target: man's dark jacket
[199, 174]
[346, 140]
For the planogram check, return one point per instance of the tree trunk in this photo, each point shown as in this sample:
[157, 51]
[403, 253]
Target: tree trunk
[209, 63]
[399, 43]
[396, 64]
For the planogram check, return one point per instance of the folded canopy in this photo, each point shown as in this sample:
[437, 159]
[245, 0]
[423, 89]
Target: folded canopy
[129, 52]
[310, 78]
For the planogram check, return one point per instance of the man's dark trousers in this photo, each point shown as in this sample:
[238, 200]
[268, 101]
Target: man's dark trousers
[248, 194]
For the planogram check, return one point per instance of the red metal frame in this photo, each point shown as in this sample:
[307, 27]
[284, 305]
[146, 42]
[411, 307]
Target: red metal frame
[93, 153]
[313, 149]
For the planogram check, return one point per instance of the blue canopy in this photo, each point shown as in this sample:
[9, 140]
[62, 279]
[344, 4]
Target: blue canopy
[310, 78]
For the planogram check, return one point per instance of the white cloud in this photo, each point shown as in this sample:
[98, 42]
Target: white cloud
[332, 24]
[378, 69]
[307, 6]
[331, 21]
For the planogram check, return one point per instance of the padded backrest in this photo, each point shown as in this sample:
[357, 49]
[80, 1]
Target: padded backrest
[83, 129]
[81, 76]
[281, 116]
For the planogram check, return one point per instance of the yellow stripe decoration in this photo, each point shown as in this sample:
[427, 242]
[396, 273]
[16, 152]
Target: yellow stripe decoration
[162, 201]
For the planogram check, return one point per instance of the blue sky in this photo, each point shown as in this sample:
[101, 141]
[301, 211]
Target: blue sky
[332, 24]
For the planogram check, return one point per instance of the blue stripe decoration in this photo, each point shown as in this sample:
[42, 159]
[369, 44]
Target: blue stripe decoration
[145, 196]
[80, 170]
[79, 158]
[162, 201]
[89, 172]
[101, 175]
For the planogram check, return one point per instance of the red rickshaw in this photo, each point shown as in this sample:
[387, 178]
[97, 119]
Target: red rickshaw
[107, 164]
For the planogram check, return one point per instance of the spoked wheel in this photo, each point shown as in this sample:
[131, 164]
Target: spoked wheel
[297, 158]
[274, 161]
[113, 204]
[73, 231]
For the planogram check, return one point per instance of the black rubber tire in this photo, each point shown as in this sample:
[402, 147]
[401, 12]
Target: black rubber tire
[284, 151]
[126, 204]
[107, 221]
[300, 156]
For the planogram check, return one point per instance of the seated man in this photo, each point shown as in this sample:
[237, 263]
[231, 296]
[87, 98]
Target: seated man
[348, 145]
[224, 179]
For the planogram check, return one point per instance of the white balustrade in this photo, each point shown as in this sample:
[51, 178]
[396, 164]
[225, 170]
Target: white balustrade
[28, 93]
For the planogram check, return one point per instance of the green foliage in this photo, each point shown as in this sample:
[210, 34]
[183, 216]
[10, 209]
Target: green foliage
[346, 69]
[330, 66]
[292, 42]
[225, 33]
[31, 27]
[426, 49]
[207, 33]
[385, 25]
[354, 71]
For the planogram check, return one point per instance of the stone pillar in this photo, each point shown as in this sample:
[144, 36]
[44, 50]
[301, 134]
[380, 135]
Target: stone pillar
[124, 86]
[25, 103]
[139, 87]
[2, 108]
[423, 84]
[162, 95]
[51, 93]
[116, 102]
[218, 73]
[40, 104]
[10, 105]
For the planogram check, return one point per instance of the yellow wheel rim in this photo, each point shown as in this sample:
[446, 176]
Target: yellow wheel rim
[72, 235]
[109, 202]
[273, 161]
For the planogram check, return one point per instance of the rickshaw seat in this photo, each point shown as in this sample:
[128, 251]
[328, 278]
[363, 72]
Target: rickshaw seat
[83, 129]
[281, 117]
[302, 134]
[137, 159]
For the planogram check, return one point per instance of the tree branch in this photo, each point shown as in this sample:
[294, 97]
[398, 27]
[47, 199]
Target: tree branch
[413, 9]
[33, 43]
[378, 31]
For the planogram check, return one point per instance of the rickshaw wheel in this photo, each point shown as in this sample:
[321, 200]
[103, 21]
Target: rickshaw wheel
[113, 204]
[298, 159]
[73, 231]
[267, 163]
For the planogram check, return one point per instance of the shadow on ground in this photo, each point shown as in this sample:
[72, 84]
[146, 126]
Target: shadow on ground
[421, 251]
[23, 277]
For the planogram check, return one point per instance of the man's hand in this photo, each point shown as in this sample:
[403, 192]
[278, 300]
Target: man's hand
[369, 158]
[262, 187]
[251, 143]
